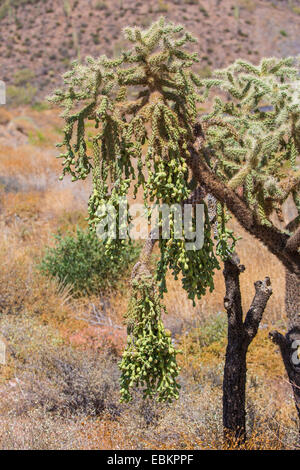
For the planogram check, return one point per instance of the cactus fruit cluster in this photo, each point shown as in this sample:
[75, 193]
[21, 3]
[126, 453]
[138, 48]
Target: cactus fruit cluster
[195, 266]
[149, 359]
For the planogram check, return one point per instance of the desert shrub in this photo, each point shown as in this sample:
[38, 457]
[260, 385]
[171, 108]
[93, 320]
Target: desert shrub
[9, 184]
[204, 349]
[40, 106]
[57, 387]
[248, 5]
[78, 384]
[101, 5]
[22, 91]
[162, 7]
[81, 262]
[13, 287]
[36, 138]
[204, 71]
[23, 77]
[213, 329]
[8, 5]
[56, 377]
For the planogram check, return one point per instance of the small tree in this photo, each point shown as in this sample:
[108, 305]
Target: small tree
[150, 135]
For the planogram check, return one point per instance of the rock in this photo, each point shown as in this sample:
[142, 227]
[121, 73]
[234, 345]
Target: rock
[289, 210]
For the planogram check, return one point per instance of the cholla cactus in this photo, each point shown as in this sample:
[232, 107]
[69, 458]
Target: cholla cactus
[142, 107]
[141, 141]
[254, 132]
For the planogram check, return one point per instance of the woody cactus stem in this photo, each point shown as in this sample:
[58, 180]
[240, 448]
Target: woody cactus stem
[240, 335]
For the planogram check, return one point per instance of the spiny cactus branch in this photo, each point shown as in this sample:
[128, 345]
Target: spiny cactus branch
[275, 240]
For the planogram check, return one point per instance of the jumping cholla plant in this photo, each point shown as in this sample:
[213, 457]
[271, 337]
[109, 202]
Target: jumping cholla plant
[161, 119]
[260, 154]
[149, 134]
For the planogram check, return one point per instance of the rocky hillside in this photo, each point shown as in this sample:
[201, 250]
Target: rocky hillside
[39, 38]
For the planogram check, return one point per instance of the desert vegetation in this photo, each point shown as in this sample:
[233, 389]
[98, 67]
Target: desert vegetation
[87, 335]
[197, 336]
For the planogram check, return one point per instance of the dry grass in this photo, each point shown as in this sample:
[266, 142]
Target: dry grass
[59, 388]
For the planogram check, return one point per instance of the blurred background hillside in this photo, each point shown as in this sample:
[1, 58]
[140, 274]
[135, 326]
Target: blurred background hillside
[40, 38]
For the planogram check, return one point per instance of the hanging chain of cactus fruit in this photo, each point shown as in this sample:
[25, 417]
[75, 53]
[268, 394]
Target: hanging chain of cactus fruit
[129, 122]
[149, 360]
[196, 266]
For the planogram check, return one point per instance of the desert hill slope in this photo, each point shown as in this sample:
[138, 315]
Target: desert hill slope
[39, 39]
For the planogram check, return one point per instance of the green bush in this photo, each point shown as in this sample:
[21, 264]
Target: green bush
[80, 262]
[213, 329]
